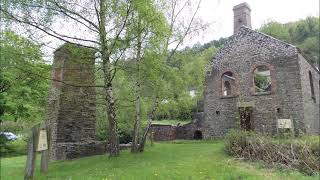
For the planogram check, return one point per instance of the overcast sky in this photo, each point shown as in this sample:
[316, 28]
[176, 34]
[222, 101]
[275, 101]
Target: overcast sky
[220, 14]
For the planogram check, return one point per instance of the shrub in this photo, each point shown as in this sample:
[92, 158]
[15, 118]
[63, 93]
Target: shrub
[13, 148]
[291, 153]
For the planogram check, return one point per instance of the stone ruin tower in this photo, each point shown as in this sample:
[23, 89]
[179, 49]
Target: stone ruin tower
[71, 111]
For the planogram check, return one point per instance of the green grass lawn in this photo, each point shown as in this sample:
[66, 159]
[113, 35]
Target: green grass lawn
[167, 160]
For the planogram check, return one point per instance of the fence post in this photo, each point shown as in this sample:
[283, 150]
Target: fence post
[151, 138]
[32, 152]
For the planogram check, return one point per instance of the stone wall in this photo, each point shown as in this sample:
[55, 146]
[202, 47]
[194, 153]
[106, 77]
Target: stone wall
[243, 52]
[71, 106]
[186, 131]
[310, 105]
[73, 150]
[163, 132]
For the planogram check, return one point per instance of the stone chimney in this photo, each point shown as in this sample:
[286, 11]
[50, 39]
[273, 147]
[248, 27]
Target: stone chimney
[241, 16]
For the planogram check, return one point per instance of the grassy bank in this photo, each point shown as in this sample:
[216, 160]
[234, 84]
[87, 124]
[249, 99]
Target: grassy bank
[168, 160]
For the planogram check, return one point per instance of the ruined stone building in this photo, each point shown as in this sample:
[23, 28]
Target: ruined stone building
[256, 81]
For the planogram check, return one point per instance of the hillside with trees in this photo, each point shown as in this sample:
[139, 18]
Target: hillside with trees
[303, 33]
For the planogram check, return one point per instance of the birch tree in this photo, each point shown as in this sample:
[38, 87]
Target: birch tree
[149, 28]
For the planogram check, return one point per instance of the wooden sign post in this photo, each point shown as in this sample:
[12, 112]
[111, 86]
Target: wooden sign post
[44, 147]
[38, 141]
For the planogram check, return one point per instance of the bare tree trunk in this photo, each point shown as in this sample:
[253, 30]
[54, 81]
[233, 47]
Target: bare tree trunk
[113, 131]
[154, 108]
[150, 118]
[135, 138]
[32, 153]
[144, 137]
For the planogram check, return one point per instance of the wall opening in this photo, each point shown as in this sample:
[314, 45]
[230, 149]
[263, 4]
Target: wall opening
[262, 79]
[197, 135]
[228, 84]
[311, 86]
[246, 122]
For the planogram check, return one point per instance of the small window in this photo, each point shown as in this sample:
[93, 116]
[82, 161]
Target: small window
[262, 79]
[311, 86]
[228, 82]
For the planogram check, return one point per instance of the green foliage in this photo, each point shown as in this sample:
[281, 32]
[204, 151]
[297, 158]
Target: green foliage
[23, 80]
[186, 72]
[178, 160]
[303, 33]
[277, 30]
[262, 83]
[13, 148]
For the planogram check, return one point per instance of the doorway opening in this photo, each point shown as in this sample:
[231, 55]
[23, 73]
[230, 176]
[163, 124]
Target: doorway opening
[197, 135]
[246, 122]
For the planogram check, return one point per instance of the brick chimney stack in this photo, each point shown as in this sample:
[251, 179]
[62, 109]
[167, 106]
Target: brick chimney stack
[241, 16]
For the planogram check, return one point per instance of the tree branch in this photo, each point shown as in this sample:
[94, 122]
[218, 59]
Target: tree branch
[186, 32]
[76, 14]
[43, 30]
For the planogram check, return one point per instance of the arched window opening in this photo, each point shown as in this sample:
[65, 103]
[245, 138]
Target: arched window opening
[197, 135]
[311, 86]
[228, 83]
[262, 79]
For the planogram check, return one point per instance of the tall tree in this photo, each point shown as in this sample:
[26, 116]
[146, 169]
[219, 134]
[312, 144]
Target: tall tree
[149, 28]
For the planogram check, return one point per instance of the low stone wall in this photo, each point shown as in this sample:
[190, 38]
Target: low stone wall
[163, 132]
[68, 151]
[192, 130]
